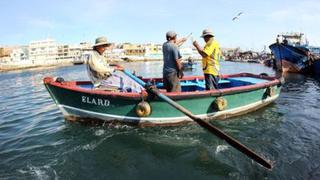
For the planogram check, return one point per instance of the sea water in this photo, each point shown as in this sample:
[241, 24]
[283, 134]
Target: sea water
[37, 143]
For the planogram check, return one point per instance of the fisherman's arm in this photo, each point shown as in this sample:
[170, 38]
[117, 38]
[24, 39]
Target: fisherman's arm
[199, 49]
[179, 65]
[178, 59]
[117, 67]
[179, 42]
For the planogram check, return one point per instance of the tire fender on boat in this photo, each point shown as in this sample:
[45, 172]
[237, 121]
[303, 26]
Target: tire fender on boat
[270, 91]
[59, 79]
[264, 74]
[143, 109]
[220, 103]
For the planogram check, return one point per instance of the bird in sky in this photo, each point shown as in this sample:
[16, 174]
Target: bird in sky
[237, 17]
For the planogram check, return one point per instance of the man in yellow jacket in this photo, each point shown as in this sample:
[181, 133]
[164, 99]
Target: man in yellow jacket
[210, 55]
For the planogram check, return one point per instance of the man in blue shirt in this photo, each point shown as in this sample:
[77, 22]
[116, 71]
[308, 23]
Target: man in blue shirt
[172, 67]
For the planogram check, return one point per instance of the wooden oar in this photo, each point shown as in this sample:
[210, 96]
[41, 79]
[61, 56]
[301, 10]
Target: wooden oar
[187, 37]
[236, 144]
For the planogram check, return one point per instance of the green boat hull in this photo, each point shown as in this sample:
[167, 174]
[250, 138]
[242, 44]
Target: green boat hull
[87, 104]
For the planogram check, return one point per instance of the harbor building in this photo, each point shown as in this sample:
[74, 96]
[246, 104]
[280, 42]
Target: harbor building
[43, 52]
[19, 55]
[5, 54]
[5, 51]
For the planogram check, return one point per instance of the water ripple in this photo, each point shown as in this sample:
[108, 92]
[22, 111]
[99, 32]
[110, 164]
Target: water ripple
[36, 142]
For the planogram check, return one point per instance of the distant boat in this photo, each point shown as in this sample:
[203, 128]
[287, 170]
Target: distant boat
[316, 68]
[188, 65]
[253, 61]
[290, 53]
[315, 60]
[268, 62]
[77, 61]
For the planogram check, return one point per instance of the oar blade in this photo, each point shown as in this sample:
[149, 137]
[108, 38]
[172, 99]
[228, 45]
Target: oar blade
[234, 143]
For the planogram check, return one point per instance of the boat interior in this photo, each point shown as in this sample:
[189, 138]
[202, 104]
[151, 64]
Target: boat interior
[198, 84]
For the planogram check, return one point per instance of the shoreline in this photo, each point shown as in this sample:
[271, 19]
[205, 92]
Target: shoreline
[9, 68]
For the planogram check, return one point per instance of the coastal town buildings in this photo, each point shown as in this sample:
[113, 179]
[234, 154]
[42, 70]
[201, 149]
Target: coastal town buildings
[152, 51]
[48, 52]
[20, 55]
[14, 55]
[43, 51]
[5, 52]
[69, 52]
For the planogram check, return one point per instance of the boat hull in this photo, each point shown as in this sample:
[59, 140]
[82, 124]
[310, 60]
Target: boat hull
[289, 58]
[188, 66]
[316, 67]
[81, 104]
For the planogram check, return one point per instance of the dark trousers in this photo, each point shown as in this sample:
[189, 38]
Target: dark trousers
[211, 81]
[171, 82]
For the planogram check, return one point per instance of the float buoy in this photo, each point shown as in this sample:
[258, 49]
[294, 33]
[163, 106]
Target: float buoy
[220, 103]
[264, 74]
[143, 109]
[59, 79]
[270, 91]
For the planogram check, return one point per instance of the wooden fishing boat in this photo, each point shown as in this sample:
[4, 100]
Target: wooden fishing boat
[237, 94]
[289, 53]
[292, 54]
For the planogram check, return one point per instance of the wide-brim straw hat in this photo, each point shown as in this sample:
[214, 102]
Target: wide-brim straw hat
[207, 32]
[102, 41]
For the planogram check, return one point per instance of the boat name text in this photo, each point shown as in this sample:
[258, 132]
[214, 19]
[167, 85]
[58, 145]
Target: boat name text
[96, 101]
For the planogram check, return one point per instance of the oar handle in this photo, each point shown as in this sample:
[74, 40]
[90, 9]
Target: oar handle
[188, 36]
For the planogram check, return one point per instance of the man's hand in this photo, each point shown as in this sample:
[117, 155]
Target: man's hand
[184, 39]
[119, 67]
[181, 41]
[180, 74]
[195, 43]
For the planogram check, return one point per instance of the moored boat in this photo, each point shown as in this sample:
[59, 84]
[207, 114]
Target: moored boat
[237, 94]
[291, 53]
[316, 67]
[315, 61]
[77, 61]
[188, 65]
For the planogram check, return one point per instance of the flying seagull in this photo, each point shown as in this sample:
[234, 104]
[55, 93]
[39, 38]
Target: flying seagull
[237, 17]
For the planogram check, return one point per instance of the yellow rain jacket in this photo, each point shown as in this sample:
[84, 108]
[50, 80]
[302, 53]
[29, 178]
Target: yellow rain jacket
[210, 64]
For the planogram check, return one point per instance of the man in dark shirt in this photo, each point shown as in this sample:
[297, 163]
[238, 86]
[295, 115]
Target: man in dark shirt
[172, 67]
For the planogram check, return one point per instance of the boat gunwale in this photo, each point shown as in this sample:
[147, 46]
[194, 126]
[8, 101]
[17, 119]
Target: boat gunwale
[73, 86]
[292, 48]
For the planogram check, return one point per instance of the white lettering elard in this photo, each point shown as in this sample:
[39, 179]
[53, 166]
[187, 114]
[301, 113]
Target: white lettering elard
[95, 101]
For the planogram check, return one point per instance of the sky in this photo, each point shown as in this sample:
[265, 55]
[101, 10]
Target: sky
[142, 21]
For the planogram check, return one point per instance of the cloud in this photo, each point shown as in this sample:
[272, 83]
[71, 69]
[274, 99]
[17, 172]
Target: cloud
[38, 22]
[41, 23]
[94, 10]
[299, 12]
